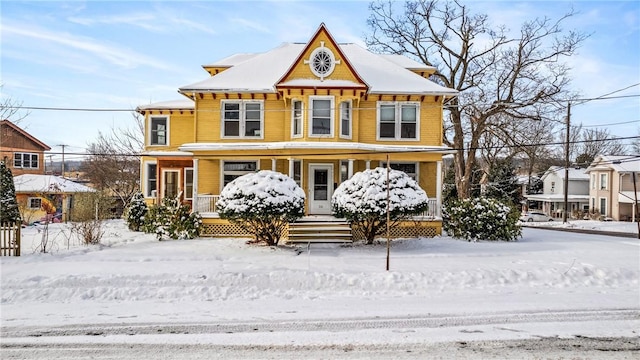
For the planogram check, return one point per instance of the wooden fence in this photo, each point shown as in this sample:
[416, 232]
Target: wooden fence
[10, 239]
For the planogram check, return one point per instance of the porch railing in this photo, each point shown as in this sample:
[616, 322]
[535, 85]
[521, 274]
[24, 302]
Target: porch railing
[205, 203]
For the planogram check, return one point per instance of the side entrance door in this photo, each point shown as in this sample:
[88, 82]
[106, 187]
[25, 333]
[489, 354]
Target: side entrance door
[320, 188]
[170, 183]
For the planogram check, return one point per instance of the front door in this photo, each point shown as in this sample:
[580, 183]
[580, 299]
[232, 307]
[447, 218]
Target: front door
[320, 188]
[170, 183]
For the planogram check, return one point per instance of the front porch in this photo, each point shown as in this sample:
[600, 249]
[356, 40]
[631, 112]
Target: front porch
[427, 224]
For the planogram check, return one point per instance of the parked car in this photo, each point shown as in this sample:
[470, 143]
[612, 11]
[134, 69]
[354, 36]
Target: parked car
[532, 216]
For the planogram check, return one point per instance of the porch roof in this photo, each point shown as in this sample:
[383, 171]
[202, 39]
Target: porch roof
[628, 197]
[312, 145]
[557, 197]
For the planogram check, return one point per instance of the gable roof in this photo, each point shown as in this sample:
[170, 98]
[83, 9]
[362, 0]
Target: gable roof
[261, 73]
[30, 183]
[574, 174]
[618, 163]
[16, 128]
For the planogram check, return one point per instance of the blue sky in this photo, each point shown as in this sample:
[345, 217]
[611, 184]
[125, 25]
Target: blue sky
[120, 54]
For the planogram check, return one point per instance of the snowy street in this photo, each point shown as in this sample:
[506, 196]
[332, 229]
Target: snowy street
[552, 293]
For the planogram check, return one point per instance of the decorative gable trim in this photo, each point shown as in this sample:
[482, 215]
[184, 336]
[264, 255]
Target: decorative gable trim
[322, 29]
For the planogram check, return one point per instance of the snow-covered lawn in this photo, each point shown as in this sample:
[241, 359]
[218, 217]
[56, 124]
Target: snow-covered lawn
[134, 279]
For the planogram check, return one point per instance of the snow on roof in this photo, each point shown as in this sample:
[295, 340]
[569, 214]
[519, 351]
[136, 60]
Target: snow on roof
[618, 163]
[170, 104]
[574, 174]
[260, 73]
[406, 62]
[29, 183]
[232, 60]
[311, 145]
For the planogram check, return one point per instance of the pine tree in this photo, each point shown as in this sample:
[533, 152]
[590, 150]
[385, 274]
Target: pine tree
[8, 203]
[136, 212]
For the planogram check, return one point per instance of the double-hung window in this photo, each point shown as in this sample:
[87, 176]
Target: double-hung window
[151, 174]
[25, 160]
[242, 119]
[321, 116]
[296, 118]
[398, 120]
[345, 119]
[234, 169]
[604, 179]
[159, 130]
[188, 183]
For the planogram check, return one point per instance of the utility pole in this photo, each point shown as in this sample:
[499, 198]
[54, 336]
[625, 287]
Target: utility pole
[62, 146]
[566, 166]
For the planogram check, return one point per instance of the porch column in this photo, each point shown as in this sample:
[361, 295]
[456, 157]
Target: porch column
[194, 205]
[290, 167]
[273, 164]
[438, 187]
[350, 168]
[368, 164]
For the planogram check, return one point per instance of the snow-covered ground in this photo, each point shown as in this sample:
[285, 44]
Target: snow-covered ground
[133, 289]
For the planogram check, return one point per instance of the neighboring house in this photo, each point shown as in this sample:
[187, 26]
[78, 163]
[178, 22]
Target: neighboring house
[22, 153]
[612, 191]
[551, 201]
[318, 111]
[32, 190]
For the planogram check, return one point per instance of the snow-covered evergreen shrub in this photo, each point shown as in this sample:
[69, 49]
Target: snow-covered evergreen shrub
[262, 203]
[136, 212]
[10, 212]
[172, 220]
[481, 219]
[362, 200]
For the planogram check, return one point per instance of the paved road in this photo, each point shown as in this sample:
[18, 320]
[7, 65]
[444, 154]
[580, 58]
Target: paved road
[331, 338]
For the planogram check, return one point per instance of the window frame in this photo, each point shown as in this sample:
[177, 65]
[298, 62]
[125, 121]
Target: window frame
[604, 185]
[398, 105]
[300, 172]
[349, 120]
[147, 189]
[594, 181]
[29, 203]
[242, 119]
[415, 163]
[310, 117]
[603, 200]
[295, 135]
[31, 156]
[235, 172]
[151, 131]
[188, 195]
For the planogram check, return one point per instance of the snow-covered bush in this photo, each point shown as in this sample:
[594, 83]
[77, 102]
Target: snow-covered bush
[173, 220]
[262, 203]
[481, 219]
[136, 212]
[362, 200]
[10, 212]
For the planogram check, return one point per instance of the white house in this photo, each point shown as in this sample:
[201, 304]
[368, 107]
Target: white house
[551, 201]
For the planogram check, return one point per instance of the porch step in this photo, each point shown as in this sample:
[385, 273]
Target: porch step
[311, 231]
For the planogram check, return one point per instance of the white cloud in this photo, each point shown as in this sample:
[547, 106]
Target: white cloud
[142, 20]
[251, 25]
[113, 54]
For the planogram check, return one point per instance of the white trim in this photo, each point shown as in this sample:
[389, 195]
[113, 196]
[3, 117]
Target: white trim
[163, 185]
[293, 134]
[594, 181]
[242, 119]
[167, 124]
[22, 154]
[332, 61]
[330, 189]
[349, 136]
[313, 145]
[606, 204]
[604, 176]
[34, 198]
[398, 120]
[331, 115]
[145, 179]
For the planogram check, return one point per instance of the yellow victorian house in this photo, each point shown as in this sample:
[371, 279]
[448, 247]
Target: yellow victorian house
[318, 111]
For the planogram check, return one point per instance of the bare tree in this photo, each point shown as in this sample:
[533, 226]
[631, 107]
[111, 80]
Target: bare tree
[113, 163]
[596, 142]
[11, 109]
[498, 76]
